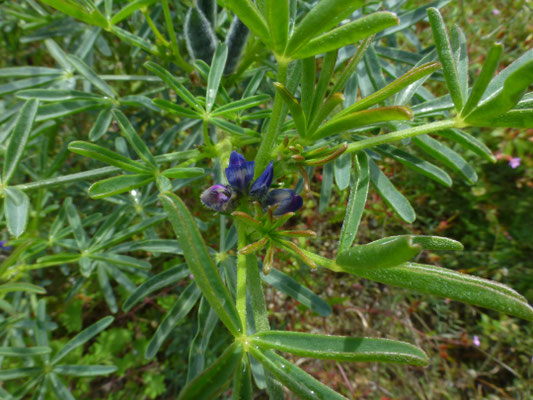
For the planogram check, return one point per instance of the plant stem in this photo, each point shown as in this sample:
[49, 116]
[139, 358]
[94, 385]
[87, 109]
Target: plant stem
[173, 41]
[154, 29]
[274, 125]
[399, 135]
[241, 276]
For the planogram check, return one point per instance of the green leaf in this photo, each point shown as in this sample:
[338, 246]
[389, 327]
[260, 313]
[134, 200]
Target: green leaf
[446, 156]
[84, 370]
[107, 156]
[446, 283]
[21, 84]
[469, 142]
[362, 118]
[239, 105]
[21, 287]
[183, 173]
[409, 18]
[461, 58]
[133, 139]
[341, 348]
[58, 259]
[356, 202]
[322, 17]
[395, 86]
[94, 17]
[343, 169]
[214, 378]
[129, 9]
[416, 164]
[513, 119]
[277, 16]
[170, 80]
[294, 107]
[75, 223]
[188, 298]
[512, 91]
[297, 380]
[55, 95]
[82, 337]
[199, 35]
[487, 72]
[101, 125]
[177, 109]
[24, 351]
[19, 139]
[64, 108]
[347, 34]
[60, 390]
[8, 374]
[133, 39]
[90, 75]
[16, 210]
[28, 71]
[326, 187]
[150, 245]
[449, 67]
[383, 253]
[242, 382]
[105, 286]
[200, 262]
[302, 294]
[215, 75]
[120, 259]
[156, 282]
[390, 194]
[250, 16]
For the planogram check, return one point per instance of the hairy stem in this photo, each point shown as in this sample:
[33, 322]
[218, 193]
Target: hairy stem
[241, 276]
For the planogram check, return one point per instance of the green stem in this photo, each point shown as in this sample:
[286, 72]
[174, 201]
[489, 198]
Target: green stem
[274, 125]
[399, 135]
[99, 172]
[154, 29]
[241, 276]
[205, 127]
[173, 41]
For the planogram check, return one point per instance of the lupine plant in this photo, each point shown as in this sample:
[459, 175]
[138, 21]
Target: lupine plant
[214, 118]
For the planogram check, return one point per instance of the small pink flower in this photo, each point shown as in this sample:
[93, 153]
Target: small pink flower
[475, 341]
[496, 12]
[514, 162]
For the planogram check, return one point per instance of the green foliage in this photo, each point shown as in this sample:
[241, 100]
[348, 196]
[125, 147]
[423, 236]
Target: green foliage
[328, 98]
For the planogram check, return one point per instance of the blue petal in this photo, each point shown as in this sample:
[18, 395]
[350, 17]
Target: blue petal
[217, 197]
[236, 159]
[239, 172]
[261, 185]
[288, 201]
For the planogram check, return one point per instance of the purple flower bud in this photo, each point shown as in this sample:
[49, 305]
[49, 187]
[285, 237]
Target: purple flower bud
[476, 341]
[288, 201]
[261, 185]
[217, 197]
[4, 247]
[239, 172]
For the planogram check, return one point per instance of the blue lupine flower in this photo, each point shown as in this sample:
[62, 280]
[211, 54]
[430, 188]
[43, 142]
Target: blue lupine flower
[261, 185]
[222, 198]
[218, 198]
[239, 172]
[288, 201]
